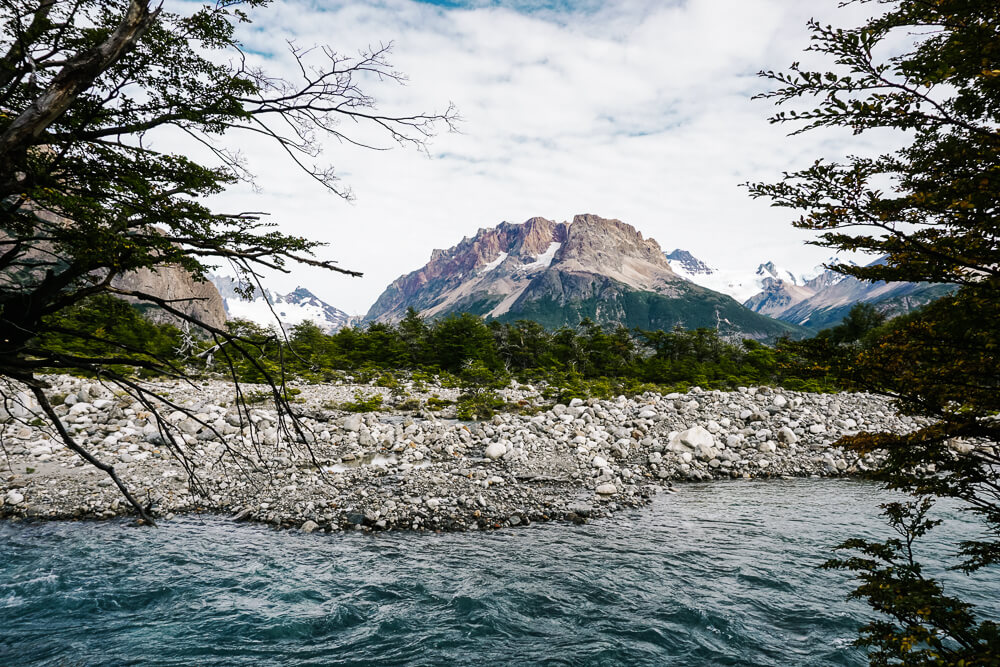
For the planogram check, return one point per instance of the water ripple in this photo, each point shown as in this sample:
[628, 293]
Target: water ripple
[722, 574]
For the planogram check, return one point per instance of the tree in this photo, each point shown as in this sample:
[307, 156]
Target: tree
[860, 321]
[85, 199]
[931, 208]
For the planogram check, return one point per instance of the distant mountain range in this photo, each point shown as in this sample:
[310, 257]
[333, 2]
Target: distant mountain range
[269, 309]
[815, 302]
[557, 273]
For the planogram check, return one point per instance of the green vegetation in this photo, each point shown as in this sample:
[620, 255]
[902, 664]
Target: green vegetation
[363, 403]
[480, 357]
[931, 209]
[696, 307]
[464, 352]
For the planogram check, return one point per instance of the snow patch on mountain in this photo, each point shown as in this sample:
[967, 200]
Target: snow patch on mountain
[544, 260]
[495, 263]
[739, 284]
[269, 309]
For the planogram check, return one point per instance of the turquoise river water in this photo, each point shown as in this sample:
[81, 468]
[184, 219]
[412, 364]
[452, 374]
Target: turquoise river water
[717, 574]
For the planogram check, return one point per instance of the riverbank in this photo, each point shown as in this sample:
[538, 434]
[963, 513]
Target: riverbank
[391, 470]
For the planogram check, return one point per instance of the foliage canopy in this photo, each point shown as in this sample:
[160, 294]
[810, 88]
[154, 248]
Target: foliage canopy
[86, 197]
[936, 221]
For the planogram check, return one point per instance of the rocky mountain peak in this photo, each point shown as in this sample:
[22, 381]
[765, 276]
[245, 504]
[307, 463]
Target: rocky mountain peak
[269, 309]
[558, 273]
[615, 249]
[689, 263]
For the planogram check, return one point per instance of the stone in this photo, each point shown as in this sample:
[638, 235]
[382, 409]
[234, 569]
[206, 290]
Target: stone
[599, 462]
[817, 429]
[309, 526]
[189, 426]
[696, 437]
[607, 490]
[13, 498]
[787, 436]
[779, 401]
[353, 423]
[575, 403]
[494, 451]
[647, 414]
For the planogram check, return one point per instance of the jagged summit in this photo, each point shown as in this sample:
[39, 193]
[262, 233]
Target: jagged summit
[269, 309]
[688, 263]
[558, 273]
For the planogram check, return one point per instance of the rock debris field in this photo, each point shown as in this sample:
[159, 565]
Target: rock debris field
[390, 470]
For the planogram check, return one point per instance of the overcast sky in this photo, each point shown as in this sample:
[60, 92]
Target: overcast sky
[632, 109]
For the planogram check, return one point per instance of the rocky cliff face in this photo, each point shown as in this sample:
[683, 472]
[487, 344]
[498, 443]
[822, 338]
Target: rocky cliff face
[198, 299]
[557, 273]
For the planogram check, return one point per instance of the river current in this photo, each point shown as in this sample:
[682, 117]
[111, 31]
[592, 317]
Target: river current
[718, 574]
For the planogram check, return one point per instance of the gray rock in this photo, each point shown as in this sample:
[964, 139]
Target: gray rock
[309, 526]
[696, 437]
[607, 490]
[494, 451]
[353, 423]
[787, 436]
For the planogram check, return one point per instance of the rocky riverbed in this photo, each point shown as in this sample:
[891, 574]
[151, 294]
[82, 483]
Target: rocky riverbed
[390, 470]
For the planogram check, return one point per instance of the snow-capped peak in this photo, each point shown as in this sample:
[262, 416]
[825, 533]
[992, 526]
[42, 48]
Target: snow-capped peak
[685, 264]
[269, 309]
[741, 285]
[769, 271]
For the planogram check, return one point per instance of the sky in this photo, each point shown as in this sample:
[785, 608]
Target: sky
[638, 110]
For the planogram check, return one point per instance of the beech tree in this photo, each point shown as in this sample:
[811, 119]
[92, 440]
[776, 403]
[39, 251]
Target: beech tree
[86, 197]
[931, 208]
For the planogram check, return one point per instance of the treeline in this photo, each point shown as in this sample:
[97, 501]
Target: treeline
[589, 359]
[529, 352]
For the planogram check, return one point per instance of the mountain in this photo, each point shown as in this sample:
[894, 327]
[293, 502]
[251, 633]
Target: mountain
[199, 299]
[557, 273]
[815, 301]
[299, 305]
[835, 294]
[780, 289]
[741, 285]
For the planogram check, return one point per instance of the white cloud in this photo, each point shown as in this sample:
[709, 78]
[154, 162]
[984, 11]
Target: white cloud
[633, 110]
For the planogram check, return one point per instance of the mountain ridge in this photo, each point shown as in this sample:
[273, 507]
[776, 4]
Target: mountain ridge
[558, 273]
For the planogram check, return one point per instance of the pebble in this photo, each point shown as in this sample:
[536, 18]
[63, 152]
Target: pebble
[423, 471]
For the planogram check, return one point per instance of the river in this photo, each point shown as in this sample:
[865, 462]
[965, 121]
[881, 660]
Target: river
[724, 573]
